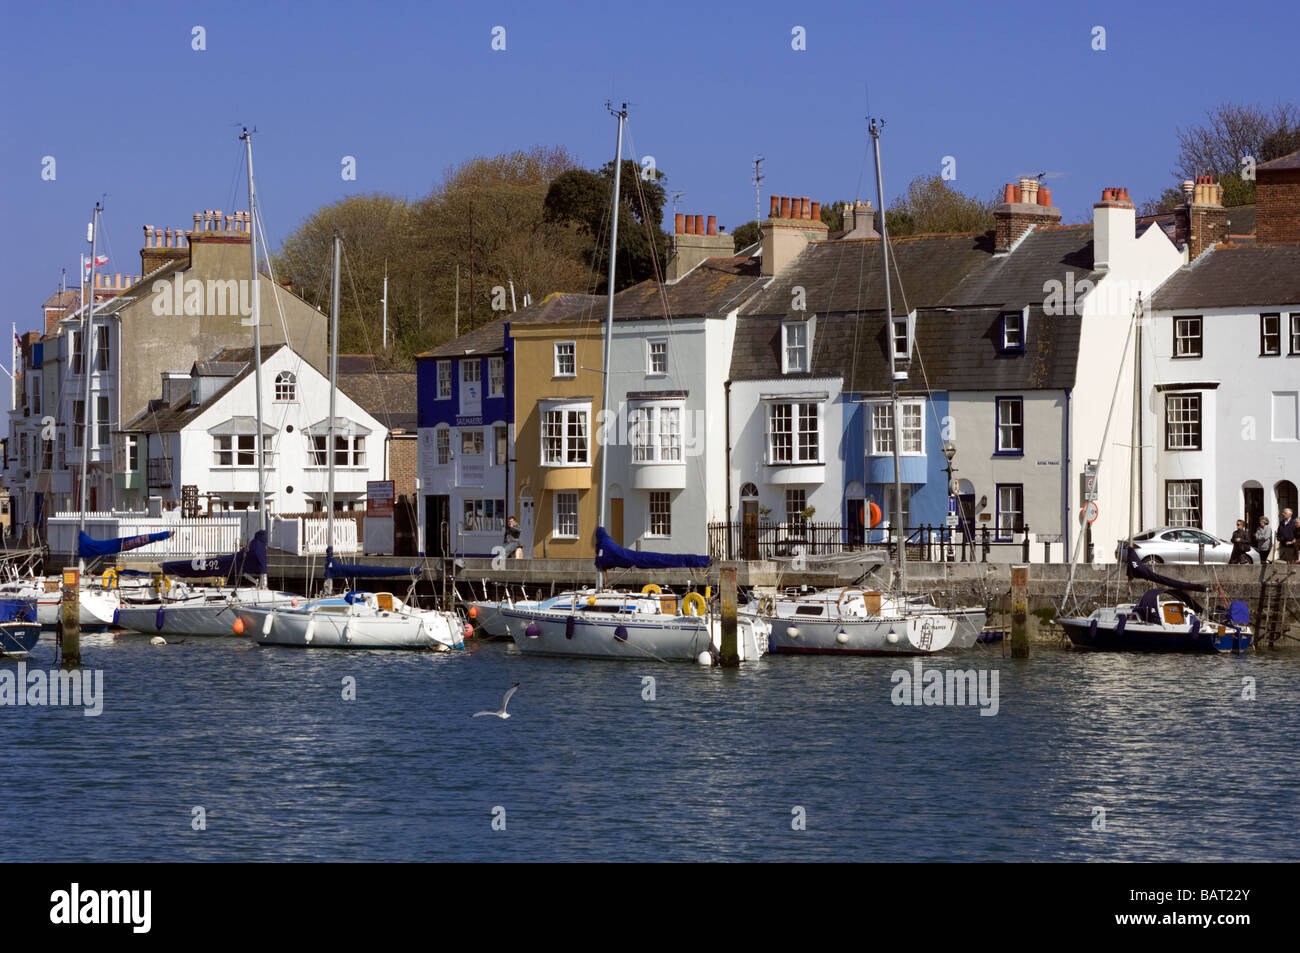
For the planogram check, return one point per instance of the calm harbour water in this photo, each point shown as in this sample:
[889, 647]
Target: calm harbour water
[586, 769]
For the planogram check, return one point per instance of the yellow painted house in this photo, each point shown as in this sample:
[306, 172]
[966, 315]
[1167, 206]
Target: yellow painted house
[558, 366]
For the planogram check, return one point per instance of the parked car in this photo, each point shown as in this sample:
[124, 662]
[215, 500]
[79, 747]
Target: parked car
[1182, 544]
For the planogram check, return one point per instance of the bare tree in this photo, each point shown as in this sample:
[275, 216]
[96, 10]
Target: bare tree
[1234, 131]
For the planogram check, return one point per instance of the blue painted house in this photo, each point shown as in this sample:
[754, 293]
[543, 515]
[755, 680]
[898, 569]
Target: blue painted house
[466, 446]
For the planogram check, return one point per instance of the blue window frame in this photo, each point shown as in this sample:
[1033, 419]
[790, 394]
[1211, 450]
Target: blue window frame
[1009, 427]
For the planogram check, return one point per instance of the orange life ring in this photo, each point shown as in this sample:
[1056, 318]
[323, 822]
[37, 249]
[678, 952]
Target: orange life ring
[873, 515]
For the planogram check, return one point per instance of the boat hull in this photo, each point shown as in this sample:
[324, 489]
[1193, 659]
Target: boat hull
[215, 617]
[305, 628]
[1144, 637]
[914, 635]
[18, 638]
[570, 634]
[96, 610]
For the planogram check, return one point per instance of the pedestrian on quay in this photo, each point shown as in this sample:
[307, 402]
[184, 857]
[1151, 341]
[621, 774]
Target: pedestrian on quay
[1263, 541]
[1286, 537]
[1241, 543]
[513, 548]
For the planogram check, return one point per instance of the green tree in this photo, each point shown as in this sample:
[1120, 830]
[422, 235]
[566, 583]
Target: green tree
[746, 235]
[932, 205]
[484, 218]
[579, 200]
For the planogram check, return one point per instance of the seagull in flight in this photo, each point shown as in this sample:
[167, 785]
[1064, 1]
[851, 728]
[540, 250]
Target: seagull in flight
[505, 700]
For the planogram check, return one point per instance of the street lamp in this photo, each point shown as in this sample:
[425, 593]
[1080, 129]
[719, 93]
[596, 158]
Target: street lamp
[950, 451]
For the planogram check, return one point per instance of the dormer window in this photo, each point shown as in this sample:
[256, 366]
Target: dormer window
[1014, 328]
[904, 336]
[794, 354]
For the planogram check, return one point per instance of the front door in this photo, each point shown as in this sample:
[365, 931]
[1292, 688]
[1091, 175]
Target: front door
[749, 529]
[1254, 500]
[966, 514]
[857, 522]
[616, 520]
[526, 524]
[437, 525]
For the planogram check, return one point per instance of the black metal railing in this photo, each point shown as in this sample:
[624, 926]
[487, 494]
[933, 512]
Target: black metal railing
[752, 540]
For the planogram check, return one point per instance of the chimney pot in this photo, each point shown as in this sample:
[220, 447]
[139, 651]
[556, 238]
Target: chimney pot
[816, 211]
[785, 206]
[1045, 197]
[1009, 195]
[775, 209]
[690, 224]
[713, 225]
[679, 226]
[699, 224]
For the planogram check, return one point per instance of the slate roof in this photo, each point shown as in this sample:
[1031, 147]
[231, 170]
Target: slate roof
[557, 308]
[1234, 275]
[388, 396]
[1289, 161]
[845, 275]
[959, 289]
[713, 289]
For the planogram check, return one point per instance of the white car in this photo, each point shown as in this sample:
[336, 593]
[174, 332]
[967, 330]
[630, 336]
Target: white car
[1182, 544]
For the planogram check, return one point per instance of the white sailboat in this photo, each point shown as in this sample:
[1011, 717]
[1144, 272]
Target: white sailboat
[356, 620]
[849, 620]
[605, 623]
[209, 610]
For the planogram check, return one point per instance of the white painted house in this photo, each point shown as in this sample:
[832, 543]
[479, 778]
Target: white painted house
[668, 361]
[1222, 410]
[203, 432]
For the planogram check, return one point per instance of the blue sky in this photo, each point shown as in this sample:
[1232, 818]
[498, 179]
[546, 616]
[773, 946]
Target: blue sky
[124, 105]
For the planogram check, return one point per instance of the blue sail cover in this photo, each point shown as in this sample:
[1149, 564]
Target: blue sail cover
[90, 548]
[1138, 571]
[610, 555]
[251, 560]
[337, 569]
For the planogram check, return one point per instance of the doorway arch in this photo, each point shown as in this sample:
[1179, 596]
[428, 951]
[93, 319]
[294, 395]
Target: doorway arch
[1284, 494]
[1252, 503]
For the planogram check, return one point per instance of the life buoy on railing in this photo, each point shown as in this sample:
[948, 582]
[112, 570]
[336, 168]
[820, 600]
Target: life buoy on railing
[649, 588]
[110, 579]
[694, 599]
[163, 585]
[874, 515]
[767, 606]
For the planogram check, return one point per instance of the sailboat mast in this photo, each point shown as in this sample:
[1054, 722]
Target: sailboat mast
[87, 330]
[897, 509]
[1135, 454]
[609, 309]
[329, 429]
[256, 320]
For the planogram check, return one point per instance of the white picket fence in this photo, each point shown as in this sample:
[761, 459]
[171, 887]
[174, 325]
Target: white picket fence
[189, 537]
[209, 536]
[316, 532]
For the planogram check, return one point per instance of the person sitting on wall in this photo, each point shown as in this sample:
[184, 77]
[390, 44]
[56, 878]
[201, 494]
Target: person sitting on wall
[514, 549]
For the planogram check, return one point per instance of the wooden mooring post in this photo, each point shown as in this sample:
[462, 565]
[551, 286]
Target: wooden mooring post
[730, 654]
[1020, 612]
[70, 618]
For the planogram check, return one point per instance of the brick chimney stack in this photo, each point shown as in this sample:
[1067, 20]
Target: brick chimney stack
[694, 240]
[792, 225]
[1023, 207]
[1207, 219]
[1277, 197]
